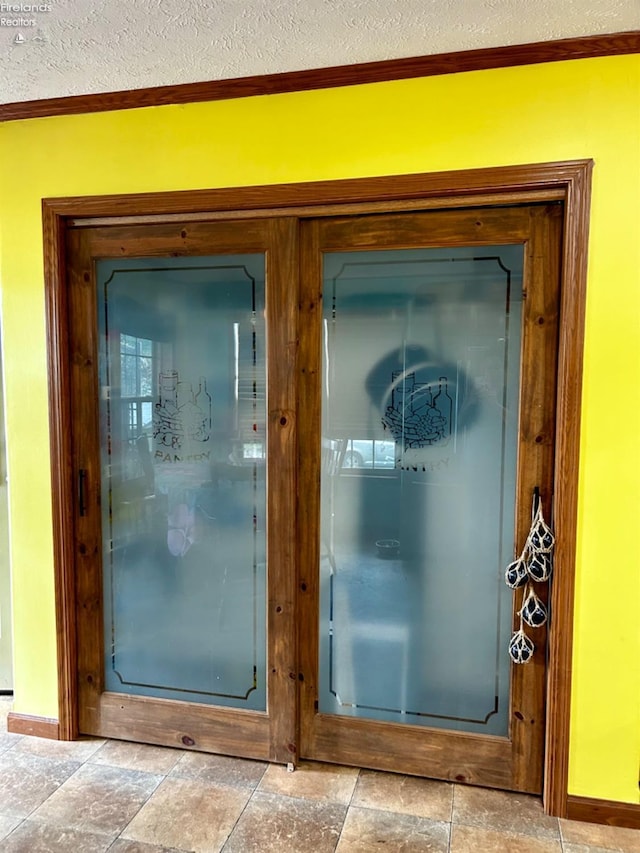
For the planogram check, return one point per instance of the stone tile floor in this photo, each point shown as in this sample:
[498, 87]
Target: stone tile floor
[94, 795]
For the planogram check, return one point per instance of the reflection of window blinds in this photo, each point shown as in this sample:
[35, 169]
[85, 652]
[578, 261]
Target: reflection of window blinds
[347, 408]
[251, 382]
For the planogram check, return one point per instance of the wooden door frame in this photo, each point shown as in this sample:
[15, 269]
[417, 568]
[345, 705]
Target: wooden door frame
[569, 182]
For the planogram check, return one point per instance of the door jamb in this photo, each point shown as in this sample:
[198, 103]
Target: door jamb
[569, 182]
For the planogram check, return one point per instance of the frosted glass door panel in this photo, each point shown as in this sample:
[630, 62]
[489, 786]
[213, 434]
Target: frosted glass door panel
[420, 421]
[183, 446]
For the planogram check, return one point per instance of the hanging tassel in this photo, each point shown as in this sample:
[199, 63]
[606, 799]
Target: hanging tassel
[533, 564]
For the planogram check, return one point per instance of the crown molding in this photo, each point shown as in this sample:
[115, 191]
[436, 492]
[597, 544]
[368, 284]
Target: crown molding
[586, 47]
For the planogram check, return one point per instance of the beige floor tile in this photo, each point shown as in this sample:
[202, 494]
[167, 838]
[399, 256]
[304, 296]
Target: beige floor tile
[8, 740]
[474, 839]
[366, 830]
[188, 814]
[34, 837]
[137, 756]
[311, 781]
[219, 769]
[27, 780]
[66, 750]
[404, 795]
[596, 835]
[506, 812]
[50, 802]
[272, 823]
[122, 845]
[7, 824]
[98, 799]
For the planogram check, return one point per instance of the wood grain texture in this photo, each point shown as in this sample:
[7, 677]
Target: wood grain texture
[326, 78]
[310, 210]
[185, 725]
[25, 724]
[535, 469]
[447, 188]
[85, 456]
[414, 750]
[608, 812]
[177, 240]
[478, 227]
[567, 461]
[62, 493]
[309, 397]
[282, 436]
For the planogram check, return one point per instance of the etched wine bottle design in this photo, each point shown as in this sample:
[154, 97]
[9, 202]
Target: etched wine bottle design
[443, 403]
[416, 417]
[181, 418]
[203, 402]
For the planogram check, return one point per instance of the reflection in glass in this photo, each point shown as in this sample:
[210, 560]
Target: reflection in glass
[420, 419]
[183, 446]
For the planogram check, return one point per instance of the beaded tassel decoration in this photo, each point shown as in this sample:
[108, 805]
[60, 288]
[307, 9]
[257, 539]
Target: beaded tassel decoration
[533, 565]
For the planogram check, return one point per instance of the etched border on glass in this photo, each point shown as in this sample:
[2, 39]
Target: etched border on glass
[449, 429]
[104, 343]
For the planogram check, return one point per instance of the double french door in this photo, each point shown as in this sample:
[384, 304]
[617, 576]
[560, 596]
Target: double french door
[305, 452]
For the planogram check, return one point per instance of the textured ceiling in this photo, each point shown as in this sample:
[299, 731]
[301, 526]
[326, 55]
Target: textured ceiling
[74, 47]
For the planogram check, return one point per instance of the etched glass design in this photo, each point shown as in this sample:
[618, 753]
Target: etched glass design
[183, 454]
[419, 421]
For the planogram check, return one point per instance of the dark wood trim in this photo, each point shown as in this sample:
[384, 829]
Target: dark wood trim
[612, 44]
[25, 724]
[62, 494]
[608, 812]
[145, 719]
[518, 184]
[565, 499]
[537, 442]
[80, 354]
[310, 210]
[309, 507]
[314, 197]
[282, 438]
[351, 741]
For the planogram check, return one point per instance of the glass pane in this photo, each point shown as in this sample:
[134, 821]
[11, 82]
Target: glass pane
[420, 419]
[183, 444]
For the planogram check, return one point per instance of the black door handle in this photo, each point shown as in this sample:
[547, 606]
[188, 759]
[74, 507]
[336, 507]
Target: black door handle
[82, 482]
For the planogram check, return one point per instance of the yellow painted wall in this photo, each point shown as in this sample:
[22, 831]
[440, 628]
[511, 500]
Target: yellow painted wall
[587, 108]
